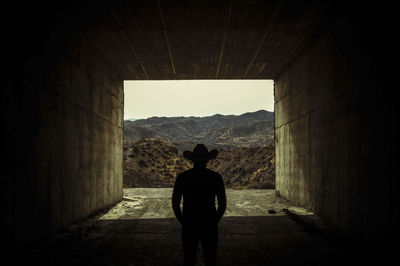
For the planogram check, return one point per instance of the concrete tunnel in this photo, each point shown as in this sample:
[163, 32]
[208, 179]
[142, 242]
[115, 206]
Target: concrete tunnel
[62, 101]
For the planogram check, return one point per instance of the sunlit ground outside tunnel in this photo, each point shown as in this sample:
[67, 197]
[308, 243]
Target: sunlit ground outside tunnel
[155, 203]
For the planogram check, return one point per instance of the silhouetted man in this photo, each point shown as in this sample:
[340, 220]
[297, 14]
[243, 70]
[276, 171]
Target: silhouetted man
[199, 218]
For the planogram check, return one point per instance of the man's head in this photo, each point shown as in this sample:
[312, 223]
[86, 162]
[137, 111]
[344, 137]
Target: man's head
[200, 155]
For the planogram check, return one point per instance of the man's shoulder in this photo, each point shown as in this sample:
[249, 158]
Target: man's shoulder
[185, 172]
[211, 172]
[193, 171]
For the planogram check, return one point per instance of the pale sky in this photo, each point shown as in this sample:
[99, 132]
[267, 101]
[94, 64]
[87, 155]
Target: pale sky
[171, 98]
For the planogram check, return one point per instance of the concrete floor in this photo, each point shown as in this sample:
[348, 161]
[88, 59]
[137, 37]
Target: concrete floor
[141, 230]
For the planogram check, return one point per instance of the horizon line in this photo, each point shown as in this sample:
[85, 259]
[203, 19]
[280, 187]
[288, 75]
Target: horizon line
[126, 119]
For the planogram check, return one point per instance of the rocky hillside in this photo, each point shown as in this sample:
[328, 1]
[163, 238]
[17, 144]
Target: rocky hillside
[155, 163]
[151, 163]
[227, 132]
[246, 167]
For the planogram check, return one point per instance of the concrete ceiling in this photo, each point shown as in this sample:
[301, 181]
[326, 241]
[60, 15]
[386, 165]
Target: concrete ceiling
[208, 39]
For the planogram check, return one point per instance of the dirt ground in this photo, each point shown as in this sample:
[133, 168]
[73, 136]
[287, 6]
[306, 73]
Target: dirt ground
[257, 229]
[155, 203]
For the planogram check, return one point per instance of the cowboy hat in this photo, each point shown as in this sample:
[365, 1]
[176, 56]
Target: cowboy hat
[200, 154]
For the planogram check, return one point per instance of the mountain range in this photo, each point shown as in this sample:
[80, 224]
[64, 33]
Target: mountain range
[229, 132]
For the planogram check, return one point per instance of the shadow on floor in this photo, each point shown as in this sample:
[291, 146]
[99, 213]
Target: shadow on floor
[261, 240]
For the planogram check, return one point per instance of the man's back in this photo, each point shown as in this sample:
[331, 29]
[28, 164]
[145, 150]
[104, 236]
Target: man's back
[199, 186]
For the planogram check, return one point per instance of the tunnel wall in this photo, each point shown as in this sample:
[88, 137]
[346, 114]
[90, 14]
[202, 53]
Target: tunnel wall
[62, 109]
[335, 127]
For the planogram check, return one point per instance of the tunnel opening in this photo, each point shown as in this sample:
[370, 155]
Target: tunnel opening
[164, 118]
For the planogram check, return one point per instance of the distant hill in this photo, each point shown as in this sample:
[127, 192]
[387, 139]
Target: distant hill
[155, 163]
[230, 132]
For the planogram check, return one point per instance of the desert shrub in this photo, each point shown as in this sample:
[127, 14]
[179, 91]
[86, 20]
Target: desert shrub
[174, 150]
[142, 163]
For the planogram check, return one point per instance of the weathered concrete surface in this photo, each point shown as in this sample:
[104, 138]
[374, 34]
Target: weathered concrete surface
[334, 131]
[63, 132]
[141, 231]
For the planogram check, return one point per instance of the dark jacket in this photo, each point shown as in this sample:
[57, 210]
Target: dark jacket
[199, 186]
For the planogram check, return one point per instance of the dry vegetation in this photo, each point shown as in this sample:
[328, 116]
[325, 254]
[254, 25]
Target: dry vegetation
[155, 163]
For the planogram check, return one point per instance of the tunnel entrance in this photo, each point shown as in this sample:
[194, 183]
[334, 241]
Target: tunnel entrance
[164, 118]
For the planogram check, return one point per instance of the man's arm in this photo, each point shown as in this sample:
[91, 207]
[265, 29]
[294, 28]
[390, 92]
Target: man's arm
[221, 198]
[176, 199]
